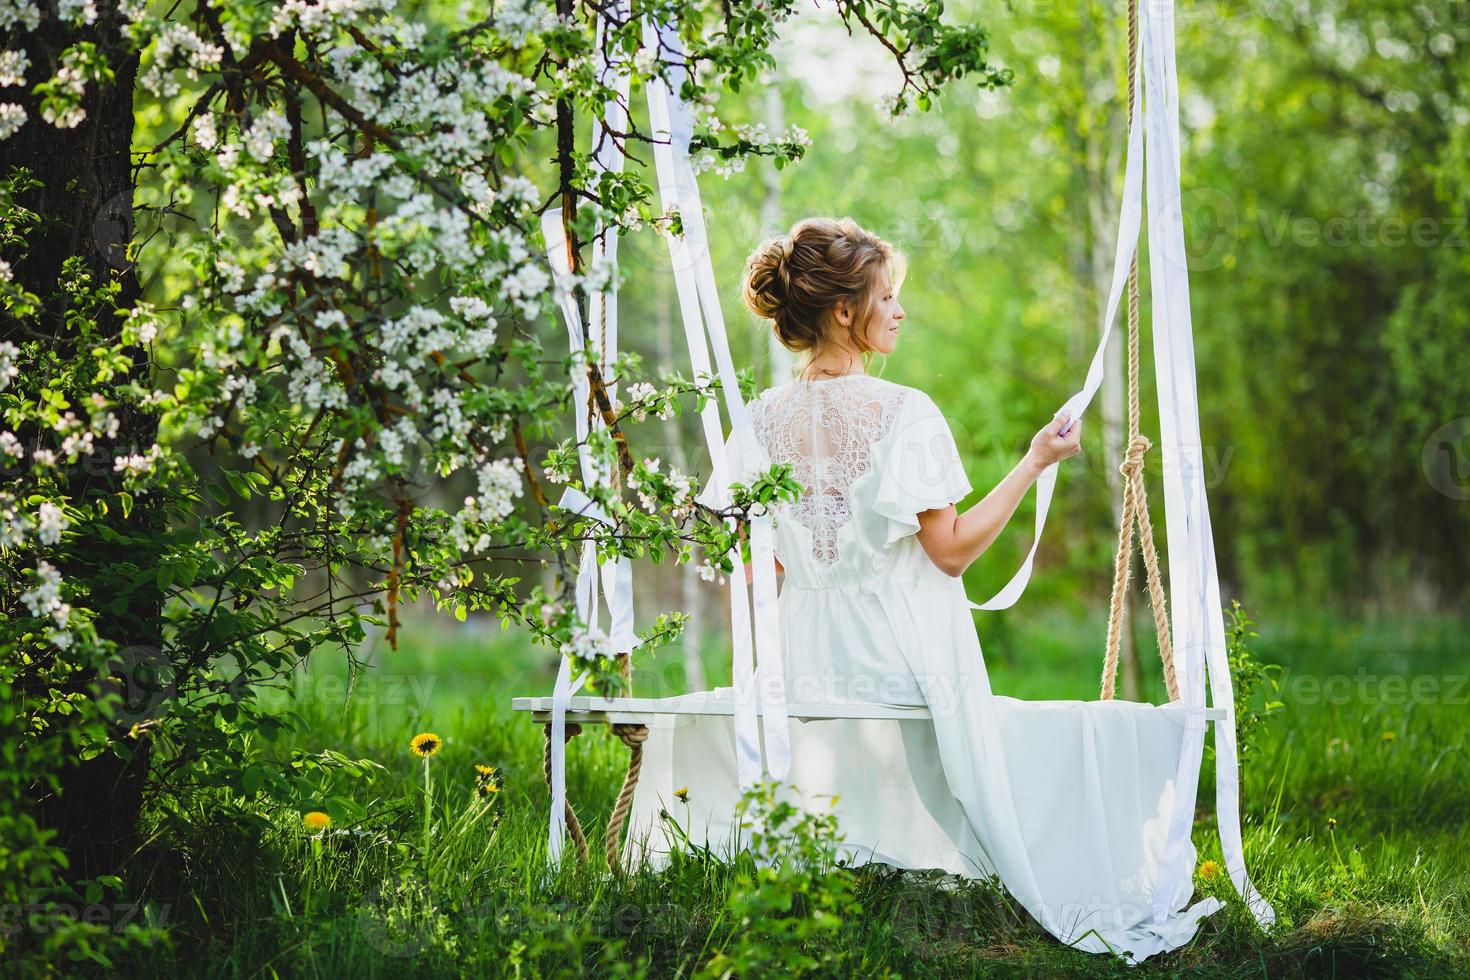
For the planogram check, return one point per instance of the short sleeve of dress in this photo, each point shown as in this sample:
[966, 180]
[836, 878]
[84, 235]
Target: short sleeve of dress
[919, 466]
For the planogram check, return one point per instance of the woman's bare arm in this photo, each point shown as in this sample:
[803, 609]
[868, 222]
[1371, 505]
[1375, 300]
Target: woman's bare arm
[954, 540]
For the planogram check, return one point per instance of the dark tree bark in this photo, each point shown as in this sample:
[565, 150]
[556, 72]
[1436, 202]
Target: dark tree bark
[86, 208]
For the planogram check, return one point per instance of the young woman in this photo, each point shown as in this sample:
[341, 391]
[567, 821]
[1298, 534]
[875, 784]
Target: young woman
[830, 290]
[1065, 802]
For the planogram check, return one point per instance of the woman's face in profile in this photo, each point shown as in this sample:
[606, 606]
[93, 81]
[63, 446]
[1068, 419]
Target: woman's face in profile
[882, 333]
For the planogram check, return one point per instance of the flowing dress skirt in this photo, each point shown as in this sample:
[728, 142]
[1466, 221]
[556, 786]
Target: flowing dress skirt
[1065, 802]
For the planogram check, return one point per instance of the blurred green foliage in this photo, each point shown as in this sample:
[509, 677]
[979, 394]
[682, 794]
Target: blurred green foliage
[1326, 195]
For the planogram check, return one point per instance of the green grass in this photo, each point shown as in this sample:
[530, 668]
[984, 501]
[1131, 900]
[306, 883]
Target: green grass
[1354, 811]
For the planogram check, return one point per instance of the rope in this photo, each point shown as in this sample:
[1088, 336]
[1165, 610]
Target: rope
[633, 736]
[1135, 494]
[574, 826]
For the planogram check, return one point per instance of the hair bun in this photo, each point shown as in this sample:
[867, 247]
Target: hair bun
[795, 279]
[768, 277]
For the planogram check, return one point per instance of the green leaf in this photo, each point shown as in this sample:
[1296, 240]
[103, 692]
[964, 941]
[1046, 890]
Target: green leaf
[238, 483]
[251, 780]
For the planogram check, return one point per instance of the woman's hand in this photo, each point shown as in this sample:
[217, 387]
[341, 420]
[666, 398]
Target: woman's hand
[1047, 447]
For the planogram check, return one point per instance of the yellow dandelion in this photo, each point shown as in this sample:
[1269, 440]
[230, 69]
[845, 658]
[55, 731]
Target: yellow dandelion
[682, 793]
[487, 780]
[1331, 823]
[1209, 870]
[426, 744]
[1390, 736]
[316, 820]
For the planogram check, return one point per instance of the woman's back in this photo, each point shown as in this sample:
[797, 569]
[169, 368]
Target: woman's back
[870, 454]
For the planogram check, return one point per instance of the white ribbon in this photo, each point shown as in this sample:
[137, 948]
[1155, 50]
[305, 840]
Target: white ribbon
[1129, 217]
[699, 303]
[1193, 577]
[561, 695]
[616, 577]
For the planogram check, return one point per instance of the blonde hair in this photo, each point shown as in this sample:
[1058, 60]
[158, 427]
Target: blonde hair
[795, 280]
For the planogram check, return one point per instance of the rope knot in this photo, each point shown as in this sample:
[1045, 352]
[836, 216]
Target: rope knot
[1133, 459]
[632, 735]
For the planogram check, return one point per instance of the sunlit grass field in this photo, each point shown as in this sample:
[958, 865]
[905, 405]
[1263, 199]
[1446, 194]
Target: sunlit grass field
[1355, 796]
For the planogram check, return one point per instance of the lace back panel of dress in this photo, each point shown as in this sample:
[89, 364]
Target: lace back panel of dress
[826, 430]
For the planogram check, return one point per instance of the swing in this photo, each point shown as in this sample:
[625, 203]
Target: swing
[1192, 651]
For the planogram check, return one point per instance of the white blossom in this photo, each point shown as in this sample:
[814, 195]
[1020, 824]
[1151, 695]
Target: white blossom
[524, 286]
[324, 254]
[83, 11]
[137, 464]
[320, 17]
[178, 47]
[460, 528]
[645, 62]
[471, 308]
[141, 326]
[9, 354]
[25, 14]
[517, 20]
[500, 482]
[888, 104]
[361, 470]
[12, 117]
[588, 643]
[65, 110]
[204, 131]
[232, 277]
[641, 391]
[260, 138]
[13, 527]
[10, 445]
[13, 65]
[45, 598]
[520, 190]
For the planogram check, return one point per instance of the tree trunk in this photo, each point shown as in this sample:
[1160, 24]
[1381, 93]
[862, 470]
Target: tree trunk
[86, 209]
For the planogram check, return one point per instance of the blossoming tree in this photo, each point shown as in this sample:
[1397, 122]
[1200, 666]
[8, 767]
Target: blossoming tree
[273, 292]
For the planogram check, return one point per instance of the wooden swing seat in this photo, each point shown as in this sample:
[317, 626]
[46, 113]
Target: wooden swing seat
[638, 711]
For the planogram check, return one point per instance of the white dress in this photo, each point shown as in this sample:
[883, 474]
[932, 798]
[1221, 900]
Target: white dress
[1067, 802]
